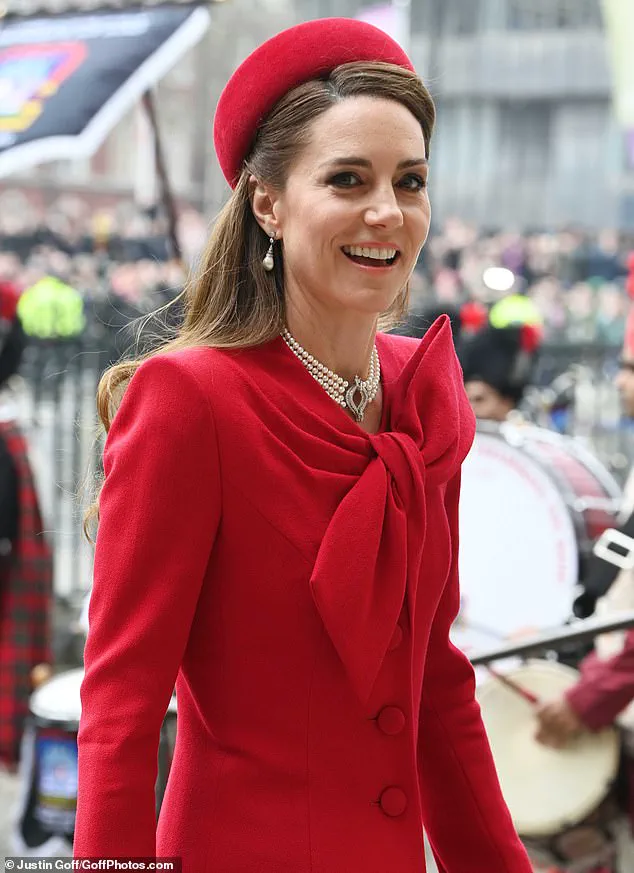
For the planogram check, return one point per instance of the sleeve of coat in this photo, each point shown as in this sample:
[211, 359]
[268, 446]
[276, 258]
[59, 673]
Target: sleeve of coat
[159, 512]
[464, 814]
[605, 687]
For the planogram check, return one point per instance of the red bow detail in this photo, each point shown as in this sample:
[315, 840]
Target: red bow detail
[370, 557]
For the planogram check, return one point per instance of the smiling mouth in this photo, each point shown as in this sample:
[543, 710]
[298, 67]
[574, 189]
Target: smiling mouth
[377, 258]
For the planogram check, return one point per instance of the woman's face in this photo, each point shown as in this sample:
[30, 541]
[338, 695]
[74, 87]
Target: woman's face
[355, 213]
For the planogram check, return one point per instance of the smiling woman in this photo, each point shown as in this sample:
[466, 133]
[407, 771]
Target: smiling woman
[278, 527]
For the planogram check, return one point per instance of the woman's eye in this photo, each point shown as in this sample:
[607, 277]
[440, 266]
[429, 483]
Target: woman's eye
[344, 180]
[413, 182]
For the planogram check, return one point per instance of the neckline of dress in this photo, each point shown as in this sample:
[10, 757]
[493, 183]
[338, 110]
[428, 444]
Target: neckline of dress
[338, 415]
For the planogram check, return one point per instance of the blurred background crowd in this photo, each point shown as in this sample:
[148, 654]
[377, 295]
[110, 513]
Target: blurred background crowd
[120, 262]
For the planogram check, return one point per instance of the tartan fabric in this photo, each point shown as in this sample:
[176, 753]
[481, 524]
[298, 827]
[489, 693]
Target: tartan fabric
[26, 599]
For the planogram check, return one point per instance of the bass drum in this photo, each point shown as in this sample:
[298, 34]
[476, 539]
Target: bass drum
[562, 802]
[532, 504]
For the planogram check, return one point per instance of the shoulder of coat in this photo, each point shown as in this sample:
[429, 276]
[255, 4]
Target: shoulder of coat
[401, 348]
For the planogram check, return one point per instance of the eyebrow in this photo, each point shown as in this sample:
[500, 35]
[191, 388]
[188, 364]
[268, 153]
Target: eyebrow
[363, 162]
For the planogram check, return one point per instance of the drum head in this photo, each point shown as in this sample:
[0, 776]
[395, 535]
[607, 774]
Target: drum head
[58, 699]
[546, 790]
[518, 549]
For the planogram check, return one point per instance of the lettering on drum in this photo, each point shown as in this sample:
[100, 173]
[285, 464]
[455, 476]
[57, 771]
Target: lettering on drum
[519, 558]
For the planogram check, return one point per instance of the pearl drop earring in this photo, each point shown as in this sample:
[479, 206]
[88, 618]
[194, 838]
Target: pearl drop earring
[268, 262]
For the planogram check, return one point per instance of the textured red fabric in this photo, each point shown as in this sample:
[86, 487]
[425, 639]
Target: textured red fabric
[26, 602]
[254, 536]
[296, 55]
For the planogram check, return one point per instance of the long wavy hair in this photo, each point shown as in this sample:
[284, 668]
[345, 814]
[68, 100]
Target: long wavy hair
[231, 301]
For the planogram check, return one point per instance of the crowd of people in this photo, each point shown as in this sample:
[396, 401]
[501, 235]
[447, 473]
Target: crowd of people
[117, 258]
[575, 277]
[121, 256]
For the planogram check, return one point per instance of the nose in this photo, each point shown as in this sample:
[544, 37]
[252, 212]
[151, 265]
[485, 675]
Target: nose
[384, 210]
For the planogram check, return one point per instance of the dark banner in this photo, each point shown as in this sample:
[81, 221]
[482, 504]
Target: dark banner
[65, 81]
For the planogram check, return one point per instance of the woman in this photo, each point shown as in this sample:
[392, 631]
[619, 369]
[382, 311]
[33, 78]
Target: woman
[280, 546]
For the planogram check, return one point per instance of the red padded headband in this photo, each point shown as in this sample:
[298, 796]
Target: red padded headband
[285, 61]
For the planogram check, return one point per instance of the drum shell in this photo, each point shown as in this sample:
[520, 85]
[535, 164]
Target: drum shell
[55, 710]
[591, 493]
[532, 503]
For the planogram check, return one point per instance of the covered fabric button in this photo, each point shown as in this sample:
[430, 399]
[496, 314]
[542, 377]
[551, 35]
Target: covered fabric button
[391, 720]
[397, 638]
[393, 801]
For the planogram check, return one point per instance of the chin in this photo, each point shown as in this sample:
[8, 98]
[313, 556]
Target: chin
[376, 308]
[376, 301]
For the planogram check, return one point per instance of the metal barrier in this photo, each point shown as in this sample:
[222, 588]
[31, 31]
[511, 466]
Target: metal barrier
[54, 403]
[552, 641]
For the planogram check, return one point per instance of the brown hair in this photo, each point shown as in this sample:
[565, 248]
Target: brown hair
[232, 302]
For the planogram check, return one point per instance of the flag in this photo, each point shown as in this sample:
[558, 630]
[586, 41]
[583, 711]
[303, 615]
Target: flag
[65, 81]
[619, 26]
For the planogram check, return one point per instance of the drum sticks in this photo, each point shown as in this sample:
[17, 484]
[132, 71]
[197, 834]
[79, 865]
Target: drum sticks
[513, 686]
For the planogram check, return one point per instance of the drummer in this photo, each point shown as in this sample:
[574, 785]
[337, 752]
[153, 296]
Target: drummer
[498, 361]
[604, 695]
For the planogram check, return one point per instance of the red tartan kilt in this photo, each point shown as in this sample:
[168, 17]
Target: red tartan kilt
[26, 599]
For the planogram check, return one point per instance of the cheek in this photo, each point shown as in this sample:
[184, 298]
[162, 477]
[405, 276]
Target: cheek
[475, 404]
[426, 216]
[311, 228]
[419, 221]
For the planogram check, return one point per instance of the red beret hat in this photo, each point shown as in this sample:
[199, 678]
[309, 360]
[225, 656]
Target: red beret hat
[296, 55]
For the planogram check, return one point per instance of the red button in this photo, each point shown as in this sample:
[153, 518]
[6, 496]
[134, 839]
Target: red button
[391, 720]
[397, 638]
[393, 801]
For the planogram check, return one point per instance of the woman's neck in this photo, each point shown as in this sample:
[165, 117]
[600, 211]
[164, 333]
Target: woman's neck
[345, 348]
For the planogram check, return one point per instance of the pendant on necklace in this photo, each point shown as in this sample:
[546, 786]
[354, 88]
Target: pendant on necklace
[357, 409]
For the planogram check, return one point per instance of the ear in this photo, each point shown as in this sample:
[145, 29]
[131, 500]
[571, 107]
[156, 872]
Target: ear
[263, 204]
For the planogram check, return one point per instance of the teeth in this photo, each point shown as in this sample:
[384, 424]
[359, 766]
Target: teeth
[378, 254]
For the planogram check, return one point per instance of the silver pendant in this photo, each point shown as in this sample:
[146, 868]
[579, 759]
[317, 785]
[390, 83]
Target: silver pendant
[357, 409]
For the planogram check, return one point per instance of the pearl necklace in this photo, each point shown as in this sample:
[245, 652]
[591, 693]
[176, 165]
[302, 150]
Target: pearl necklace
[335, 387]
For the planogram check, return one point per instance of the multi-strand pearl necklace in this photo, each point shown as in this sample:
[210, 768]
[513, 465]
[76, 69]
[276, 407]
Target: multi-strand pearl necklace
[335, 387]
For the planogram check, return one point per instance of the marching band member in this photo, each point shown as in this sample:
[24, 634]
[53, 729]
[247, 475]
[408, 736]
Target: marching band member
[604, 694]
[26, 560]
[498, 363]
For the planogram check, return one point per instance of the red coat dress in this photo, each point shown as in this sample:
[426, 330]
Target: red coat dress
[297, 578]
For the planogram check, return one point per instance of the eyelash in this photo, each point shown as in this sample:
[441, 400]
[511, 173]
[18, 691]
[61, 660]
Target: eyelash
[422, 183]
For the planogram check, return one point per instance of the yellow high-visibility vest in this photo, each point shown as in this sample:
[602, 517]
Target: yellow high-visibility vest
[51, 309]
[514, 309]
